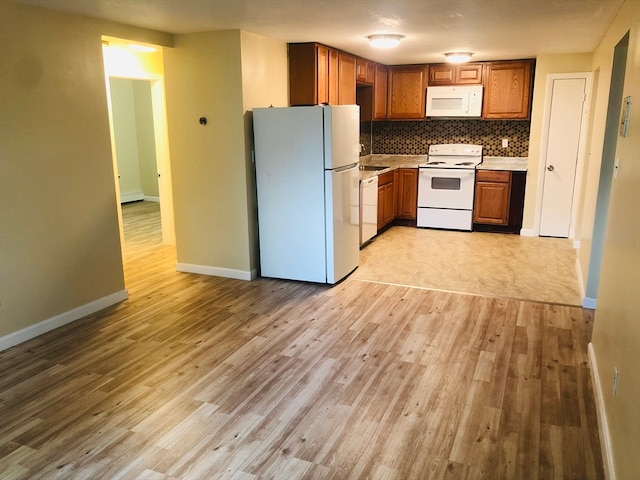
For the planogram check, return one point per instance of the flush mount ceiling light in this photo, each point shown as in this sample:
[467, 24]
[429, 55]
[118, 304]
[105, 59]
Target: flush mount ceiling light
[385, 40]
[457, 57]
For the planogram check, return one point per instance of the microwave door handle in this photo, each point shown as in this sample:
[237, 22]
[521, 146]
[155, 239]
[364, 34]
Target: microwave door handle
[466, 101]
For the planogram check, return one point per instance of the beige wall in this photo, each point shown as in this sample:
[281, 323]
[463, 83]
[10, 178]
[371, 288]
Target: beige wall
[59, 241]
[125, 135]
[217, 75]
[545, 65]
[616, 335]
[264, 83]
[145, 137]
[132, 114]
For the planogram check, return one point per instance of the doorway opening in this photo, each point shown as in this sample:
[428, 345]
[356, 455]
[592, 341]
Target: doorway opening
[614, 110]
[139, 140]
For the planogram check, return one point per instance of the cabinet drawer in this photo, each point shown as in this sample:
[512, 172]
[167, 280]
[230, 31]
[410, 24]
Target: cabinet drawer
[502, 176]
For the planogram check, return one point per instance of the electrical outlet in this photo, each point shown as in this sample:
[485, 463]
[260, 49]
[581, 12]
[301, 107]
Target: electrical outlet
[615, 380]
[505, 143]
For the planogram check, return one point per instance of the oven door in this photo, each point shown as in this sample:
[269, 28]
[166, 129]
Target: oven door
[446, 188]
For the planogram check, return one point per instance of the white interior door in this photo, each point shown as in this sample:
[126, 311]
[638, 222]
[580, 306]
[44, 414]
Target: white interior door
[563, 146]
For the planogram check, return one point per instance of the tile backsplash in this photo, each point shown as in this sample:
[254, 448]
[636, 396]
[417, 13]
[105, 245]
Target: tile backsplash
[415, 137]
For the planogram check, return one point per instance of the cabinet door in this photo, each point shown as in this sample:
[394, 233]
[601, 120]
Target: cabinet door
[406, 92]
[380, 93]
[347, 79]
[469, 74]
[306, 74]
[442, 74]
[448, 74]
[333, 82]
[407, 193]
[322, 58]
[381, 207]
[388, 202]
[507, 90]
[491, 205]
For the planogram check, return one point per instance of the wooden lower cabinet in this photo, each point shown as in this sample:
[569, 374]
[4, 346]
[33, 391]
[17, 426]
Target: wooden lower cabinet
[406, 183]
[499, 201]
[386, 200]
[491, 203]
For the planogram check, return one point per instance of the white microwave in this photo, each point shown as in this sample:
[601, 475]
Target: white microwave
[458, 101]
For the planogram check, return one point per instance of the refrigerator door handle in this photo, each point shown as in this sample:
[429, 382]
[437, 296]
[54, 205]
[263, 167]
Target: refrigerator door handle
[346, 167]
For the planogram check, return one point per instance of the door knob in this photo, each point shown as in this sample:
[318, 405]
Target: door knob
[550, 168]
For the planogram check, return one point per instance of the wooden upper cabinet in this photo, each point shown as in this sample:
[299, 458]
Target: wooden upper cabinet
[380, 93]
[365, 71]
[322, 74]
[314, 75]
[334, 78]
[451, 74]
[406, 91]
[346, 79]
[507, 89]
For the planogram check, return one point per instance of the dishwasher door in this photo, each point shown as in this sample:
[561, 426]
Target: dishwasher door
[368, 209]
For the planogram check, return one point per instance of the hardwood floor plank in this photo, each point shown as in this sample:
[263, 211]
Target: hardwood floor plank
[204, 377]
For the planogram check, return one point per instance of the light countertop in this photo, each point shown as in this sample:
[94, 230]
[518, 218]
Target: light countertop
[390, 161]
[412, 161]
[504, 163]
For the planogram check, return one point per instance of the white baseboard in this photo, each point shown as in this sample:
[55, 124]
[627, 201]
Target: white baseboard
[217, 271]
[576, 244]
[131, 197]
[588, 302]
[148, 198]
[52, 323]
[603, 424]
[528, 232]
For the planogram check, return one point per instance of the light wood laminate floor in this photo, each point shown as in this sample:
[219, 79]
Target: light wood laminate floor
[211, 378]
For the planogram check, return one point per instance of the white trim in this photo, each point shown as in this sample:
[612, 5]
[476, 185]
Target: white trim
[528, 232]
[590, 303]
[131, 197]
[217, 271]
[148, 198]
[52, 323]
[576, 244]
[603, 424]
[582, 142]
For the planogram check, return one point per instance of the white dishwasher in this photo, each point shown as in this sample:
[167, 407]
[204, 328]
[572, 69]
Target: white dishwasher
[368, 208]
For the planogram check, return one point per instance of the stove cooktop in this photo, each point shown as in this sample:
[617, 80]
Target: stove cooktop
[454, 155]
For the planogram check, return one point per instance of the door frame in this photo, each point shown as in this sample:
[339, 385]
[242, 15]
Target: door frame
[163, 164]
[582, 147]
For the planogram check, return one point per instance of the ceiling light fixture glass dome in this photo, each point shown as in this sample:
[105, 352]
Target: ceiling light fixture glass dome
[385, 40]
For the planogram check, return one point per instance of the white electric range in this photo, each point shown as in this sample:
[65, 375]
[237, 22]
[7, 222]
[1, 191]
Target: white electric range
[446, 186]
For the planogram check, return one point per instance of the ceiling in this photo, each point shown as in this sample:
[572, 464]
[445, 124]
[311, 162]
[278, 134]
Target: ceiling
[491, 29]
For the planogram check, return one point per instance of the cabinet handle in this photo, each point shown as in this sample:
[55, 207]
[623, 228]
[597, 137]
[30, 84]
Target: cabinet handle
[550, 168]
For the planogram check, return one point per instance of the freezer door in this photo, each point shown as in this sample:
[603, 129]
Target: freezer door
[343, 222]
[341, 135]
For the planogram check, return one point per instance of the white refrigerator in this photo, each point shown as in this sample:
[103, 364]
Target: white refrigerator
[308, 194]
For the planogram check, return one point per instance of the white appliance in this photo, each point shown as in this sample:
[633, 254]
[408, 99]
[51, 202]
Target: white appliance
[368, 208]
[458, 101]
[308, 191]
[446, 186]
